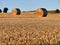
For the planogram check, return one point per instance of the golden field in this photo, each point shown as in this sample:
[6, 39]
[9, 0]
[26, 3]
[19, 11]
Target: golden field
[28, 28]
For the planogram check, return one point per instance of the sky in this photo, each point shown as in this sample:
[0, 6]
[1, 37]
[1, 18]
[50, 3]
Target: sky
[28, 5]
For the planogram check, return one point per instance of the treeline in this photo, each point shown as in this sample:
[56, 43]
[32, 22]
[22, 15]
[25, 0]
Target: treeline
[54, 11]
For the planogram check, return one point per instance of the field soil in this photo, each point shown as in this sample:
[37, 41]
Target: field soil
[29, 28]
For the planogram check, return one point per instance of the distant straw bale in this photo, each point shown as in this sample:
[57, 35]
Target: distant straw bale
[57, 11]
[41, 12]
[0, 11]
[5, 10]
[16, 11]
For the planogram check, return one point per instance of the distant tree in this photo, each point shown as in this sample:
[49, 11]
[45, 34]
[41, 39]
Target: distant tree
[57, 11]
[5, 10]
[0, 11]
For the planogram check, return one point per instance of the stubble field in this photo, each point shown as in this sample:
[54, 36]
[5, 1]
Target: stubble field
[28, 28]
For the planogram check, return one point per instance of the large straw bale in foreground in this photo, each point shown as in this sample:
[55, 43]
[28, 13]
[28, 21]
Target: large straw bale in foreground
[41, 12]
[16, 11]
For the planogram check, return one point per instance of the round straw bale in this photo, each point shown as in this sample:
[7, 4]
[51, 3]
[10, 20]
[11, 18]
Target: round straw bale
[0, 11]
[41, 12]
[57, 11]
[5, 10]
[16, 11]
[45, 12]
